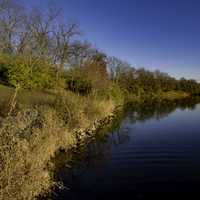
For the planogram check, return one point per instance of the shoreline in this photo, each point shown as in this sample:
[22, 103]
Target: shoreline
[45, 135]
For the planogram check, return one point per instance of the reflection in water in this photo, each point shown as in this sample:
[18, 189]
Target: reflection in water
[158, 109]
[153, 149]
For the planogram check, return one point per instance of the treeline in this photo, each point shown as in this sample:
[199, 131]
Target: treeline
[38, 49]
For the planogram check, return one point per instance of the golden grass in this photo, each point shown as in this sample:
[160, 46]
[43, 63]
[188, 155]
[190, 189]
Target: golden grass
[31, 137]
[24, 158]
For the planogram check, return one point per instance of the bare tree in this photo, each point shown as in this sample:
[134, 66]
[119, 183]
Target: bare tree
[64, 47]
[116, 67]
[41, 26]
[11, 21]
[81, 53]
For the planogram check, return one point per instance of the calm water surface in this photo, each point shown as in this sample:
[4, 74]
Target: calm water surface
[155, 152]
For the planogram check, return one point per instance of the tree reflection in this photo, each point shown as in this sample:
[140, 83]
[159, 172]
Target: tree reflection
[158, 109]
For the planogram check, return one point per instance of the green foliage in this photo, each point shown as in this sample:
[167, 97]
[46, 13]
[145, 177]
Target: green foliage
[26, 72]
[42, 75]
[18, 72]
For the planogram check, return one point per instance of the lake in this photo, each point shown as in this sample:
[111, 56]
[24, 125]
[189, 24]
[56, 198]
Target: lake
[152, 152]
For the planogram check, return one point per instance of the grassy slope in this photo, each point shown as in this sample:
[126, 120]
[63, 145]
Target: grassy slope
[26, 97]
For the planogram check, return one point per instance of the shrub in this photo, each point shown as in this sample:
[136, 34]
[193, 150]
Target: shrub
[26, 72]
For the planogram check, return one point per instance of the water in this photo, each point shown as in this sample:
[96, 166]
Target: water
[155, 152]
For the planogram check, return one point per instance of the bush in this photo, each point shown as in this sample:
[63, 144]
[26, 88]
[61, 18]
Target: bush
[26, 72]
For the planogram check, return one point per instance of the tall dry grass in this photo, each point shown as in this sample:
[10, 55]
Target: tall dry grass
[27, 142]
[30, 137]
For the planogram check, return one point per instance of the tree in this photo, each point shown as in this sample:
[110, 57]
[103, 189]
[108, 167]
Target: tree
[96, 71]
[11, 22]
[63, 48]
[116, 67]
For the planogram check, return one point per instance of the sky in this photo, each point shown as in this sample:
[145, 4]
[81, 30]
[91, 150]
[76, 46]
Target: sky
[155, 34]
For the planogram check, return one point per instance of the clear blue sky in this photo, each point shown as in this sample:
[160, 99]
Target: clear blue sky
[156, 34]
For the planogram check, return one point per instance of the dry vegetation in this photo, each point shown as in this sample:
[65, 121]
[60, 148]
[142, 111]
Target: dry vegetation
[30, 137]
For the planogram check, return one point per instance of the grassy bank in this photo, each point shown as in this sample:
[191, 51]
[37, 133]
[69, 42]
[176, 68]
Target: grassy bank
[37, 128]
